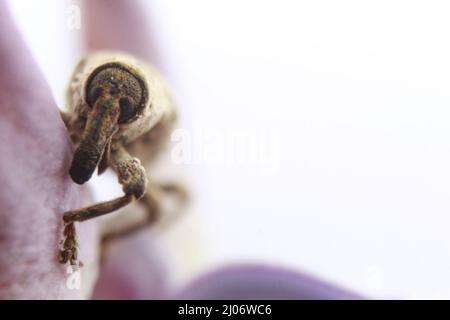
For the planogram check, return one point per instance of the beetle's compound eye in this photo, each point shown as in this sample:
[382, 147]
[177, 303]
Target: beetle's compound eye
[127, 109]
[117, 81]
[93, 94]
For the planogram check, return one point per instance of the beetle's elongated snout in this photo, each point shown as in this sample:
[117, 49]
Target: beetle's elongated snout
[100, 127]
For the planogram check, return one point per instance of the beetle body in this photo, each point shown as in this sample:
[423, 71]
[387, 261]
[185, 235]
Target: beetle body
[120, 113]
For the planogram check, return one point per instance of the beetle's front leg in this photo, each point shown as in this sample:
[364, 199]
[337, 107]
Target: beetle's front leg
[132, 177]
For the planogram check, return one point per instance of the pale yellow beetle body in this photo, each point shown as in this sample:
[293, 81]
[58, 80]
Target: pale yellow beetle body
[120, 115]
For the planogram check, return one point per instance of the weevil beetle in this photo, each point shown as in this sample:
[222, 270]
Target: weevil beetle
[117, 106]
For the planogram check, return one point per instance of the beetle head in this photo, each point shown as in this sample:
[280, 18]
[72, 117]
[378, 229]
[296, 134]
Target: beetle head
[116, 96]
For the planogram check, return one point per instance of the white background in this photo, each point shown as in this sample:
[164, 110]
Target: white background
[359, 92]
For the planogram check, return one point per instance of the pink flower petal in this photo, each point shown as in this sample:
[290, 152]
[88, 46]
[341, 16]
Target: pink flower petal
[35, 154]
[135, 268]
[118, 25]
[261, 282]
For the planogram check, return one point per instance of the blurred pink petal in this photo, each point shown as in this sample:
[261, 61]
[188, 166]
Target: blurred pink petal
[134, 268]
[119, 25]
[261, 282]
[35, 153]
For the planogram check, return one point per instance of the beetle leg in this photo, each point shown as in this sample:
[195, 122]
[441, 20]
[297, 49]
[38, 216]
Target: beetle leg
[152, 205]
[132, 177]
[175, 189]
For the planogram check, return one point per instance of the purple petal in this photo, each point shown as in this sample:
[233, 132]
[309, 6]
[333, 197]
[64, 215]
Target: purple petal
[35, 154]
[261, 282]
[134, 268]
[118, 25]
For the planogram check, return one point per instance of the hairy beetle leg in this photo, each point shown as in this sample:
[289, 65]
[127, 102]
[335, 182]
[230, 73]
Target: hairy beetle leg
[151, 202]
[69, 251]
[133, 178]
